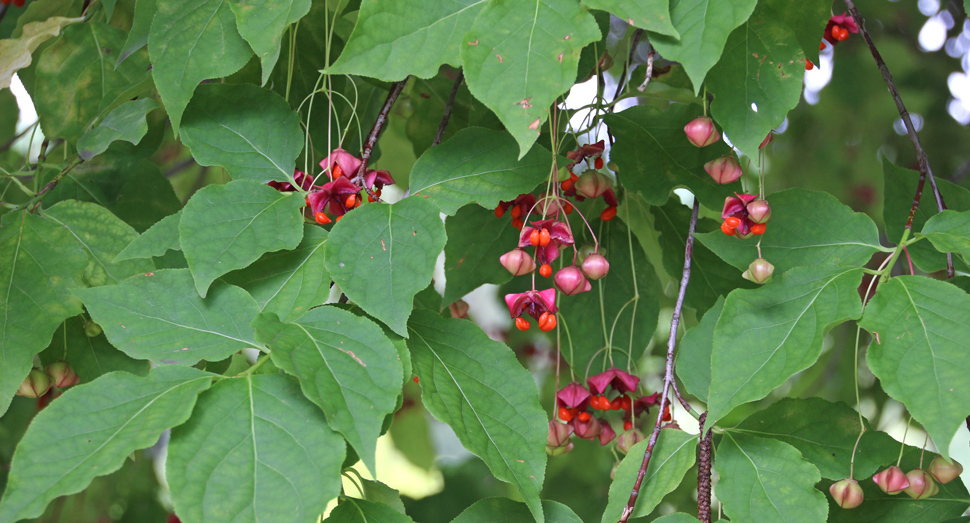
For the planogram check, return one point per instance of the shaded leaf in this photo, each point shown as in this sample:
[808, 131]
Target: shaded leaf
[806, 19]
[161, 237]
[652, 15]
[949, 231]
[476, 238]
[694, 355]
[377, 492]
[678, 517]
[140, 26]
[126, 122]
[490, 510]
[262, 22]
[15, 53]
[90, 357]
[428, 98]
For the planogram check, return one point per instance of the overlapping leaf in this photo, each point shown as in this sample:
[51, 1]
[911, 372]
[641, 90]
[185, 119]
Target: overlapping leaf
[652, 15]
[126, 122]
[262, 22]
[489, 510]
[161, 237]
[766, 335]
[920, 355]
[352, 510]
[477, 165]
[949, 231]
[476, 386]
[91, 430]
[256, 450]
[90, 356]
[470, 255]
[141, 24]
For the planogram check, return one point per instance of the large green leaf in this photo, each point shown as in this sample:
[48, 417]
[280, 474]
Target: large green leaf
[520, 56]
[126, 122]
[476, 386]
[262, 22]
[806, 19]
[382, 255]
[141, 24]
[250, 131]
[757, 80]
[654, 156]
[492, 510]
[766, 335]
[345, 365]
[159, 317]
[825, 433]
[476, 236]
[190, 42]
[694, 355]
[227, 227]
[395, 38]
[352, 510]
[672, 457]
[102, 235]
[288, 283]
[91, 430]
[807, 228]
[15, 53]
[91, 357]
[158, 239]
[766, 480]
[256, 450]
[704, 26]
[949, 231]
[920, 355]
[652, 15]
[477, 165]
[39, 266]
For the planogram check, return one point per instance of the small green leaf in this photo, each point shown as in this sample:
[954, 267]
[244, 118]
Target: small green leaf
[352, 510]
[15, 53]
[262, 22]
[126, 122]
[704, 26]
[694, 354]
[476, 240]
[766, 335]
[672, 457]
[227, 227]
[920, 354]
[378, 492]
[250, 131]
[949, 231]
[140, 26]
[519, 57]
[806, 19]
[158, 317]
[394, 39]
[807, 228]
[189, 42]
[477, 165]
[652, 15]
[678, 517]
[492, 510]
[766, 480]
[159, 238]
[382, 255]
[90, 357]
[476, 386]
[255, 450]
[91, 430]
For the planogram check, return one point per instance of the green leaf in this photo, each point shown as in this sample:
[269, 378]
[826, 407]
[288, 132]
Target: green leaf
[476, 386]
[382, 255]
[102, 235]
[250, 131]
[806, 19]
[227, 227]
[920, 355]
[39, 266]
[80, 84]
[477, 165]
[352, 510]
[807, 228]
[766, 335]
[654, 156]
[825, 433]
[262, 22]
[694, 355]
[394, 39]
[672, 457]
[288, 283]
[949, 231]
[757, 80]
[255, 450]
[159, 238]
[767, 480]
[90, 357]
[345, 365]
[190, 42]
[126, 122]
[428, 99]
[493, 510]
[159, 317]
[652, 15]
[378, 492]
[15, 53]
[91, 430]
[678, 517]
[9, 114]
[704, 26]
[140, 26]
[476, 239]
[519, 57]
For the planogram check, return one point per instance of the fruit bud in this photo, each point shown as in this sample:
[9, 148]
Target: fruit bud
[518, 262]
[62, 375]
[759, 211]
[592, 184]
[588, 429]
[92, 329]
[945, 470]
[921, 484]
[35, 385]
[759, 271]
[459, 309]
[847, 493]
[628, 439]
[723, 170]
[570, 281]
[595, 266]
[892, 481]
[548, 206]
[558, 435]
[701, 132]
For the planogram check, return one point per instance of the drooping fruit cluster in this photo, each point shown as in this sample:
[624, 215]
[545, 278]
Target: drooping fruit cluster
[745, 215]
[918, 483]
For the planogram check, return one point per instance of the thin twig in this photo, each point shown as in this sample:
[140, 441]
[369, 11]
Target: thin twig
[9, 143]
[646, 80]
[704, 473]
[621, 83]
[680, 397]
[50, 185]
[375, 133]
[669, 373]
[449, 105]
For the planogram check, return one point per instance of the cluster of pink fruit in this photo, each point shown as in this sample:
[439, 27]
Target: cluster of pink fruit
[917, 483]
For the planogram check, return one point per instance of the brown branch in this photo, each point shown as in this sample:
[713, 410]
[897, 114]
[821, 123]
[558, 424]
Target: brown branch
[449, 105]
[669, 374]
[680, 397]
[375, 133]
[35, 201]
[704, 473]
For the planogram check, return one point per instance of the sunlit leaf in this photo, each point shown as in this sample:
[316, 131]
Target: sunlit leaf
[949, 231]
[158, 239]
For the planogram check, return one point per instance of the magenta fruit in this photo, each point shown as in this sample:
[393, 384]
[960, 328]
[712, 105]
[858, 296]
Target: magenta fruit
[847, 493]
[723, 170]
[595, 266]
[701, 131]
[571, 281]
[518, 262]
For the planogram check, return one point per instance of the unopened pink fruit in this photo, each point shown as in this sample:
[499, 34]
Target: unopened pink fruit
[571, 281]
[518, 262]
[701, 131]
[847, 493]
[592, 184]
[945, 470]
[723, 170]
[759, 211]
[892, 481]
[595, 266]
